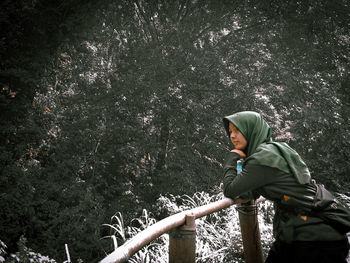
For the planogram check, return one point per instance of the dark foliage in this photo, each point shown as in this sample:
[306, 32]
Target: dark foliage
[107, 104]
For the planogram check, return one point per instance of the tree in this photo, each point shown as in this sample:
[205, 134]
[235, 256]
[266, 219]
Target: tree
[128, 105]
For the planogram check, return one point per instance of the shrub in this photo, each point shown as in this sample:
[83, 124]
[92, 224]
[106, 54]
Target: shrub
[24, 254]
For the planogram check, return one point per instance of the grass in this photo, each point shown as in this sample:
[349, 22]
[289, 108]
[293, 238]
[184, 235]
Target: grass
[218, 235]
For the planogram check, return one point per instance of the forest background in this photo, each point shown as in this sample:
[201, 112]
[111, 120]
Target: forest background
[106, 105]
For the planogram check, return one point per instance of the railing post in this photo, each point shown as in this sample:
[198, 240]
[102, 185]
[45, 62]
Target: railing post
[182, 242]
[248, 219]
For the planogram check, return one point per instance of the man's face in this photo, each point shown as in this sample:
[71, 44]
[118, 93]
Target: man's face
[237, 138]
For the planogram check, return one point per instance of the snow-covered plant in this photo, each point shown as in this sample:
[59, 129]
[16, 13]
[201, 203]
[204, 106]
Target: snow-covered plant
[2, 251]
[154, 252]
[25, 254]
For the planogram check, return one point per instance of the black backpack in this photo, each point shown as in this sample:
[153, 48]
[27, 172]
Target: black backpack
[331, 210]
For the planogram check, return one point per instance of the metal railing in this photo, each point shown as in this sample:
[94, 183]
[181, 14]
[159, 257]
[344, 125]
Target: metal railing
[182, 233]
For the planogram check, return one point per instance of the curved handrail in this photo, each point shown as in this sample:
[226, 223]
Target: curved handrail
[124, 252]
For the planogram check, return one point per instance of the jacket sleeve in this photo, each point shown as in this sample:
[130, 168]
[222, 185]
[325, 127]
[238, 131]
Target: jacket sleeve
[243, 185]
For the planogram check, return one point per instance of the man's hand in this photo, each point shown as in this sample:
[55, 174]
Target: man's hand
[241, 153]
